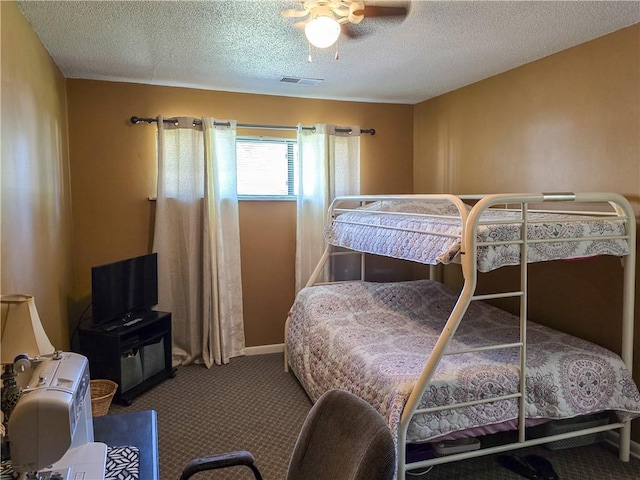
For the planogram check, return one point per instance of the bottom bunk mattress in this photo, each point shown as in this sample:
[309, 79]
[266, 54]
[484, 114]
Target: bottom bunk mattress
[374, 339]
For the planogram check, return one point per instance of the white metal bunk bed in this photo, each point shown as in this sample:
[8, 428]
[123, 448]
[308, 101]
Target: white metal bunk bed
[483, 233]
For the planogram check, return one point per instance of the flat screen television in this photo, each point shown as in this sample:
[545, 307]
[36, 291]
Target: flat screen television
[125, 288]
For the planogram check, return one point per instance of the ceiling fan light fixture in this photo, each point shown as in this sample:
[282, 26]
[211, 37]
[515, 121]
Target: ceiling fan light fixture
[322, 31]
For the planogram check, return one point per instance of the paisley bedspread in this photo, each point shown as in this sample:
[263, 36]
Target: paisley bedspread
[373, 339]
[432, 234]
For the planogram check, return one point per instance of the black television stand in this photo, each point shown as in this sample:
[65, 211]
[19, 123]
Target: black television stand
[134, 352]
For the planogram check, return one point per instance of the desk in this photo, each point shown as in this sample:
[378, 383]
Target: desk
[139, 429]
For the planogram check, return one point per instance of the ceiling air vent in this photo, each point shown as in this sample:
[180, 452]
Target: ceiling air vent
[301, 81]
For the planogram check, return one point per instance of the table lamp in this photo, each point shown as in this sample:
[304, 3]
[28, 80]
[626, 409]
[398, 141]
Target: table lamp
[23, 339]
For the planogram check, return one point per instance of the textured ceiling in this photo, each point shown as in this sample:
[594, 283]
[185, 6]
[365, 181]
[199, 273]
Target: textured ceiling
[246, 46]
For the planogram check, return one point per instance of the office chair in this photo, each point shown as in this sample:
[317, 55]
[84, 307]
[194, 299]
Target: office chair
[342, 438]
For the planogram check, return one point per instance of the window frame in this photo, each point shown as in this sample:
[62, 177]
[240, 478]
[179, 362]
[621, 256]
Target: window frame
[292, 162]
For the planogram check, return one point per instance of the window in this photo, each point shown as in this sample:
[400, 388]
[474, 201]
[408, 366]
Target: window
[266, 167]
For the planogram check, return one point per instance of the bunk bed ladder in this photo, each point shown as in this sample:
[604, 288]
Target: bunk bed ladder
[521, 344]
[624, 210]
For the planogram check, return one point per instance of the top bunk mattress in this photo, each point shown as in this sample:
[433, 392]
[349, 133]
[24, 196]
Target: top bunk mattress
[430, 232]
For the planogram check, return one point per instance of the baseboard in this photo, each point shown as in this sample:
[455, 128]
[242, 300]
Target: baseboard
[263, 349]
[614, 439]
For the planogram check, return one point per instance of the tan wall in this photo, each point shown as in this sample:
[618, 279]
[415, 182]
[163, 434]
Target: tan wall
[568, 122]
[113, 174]
[36, 209]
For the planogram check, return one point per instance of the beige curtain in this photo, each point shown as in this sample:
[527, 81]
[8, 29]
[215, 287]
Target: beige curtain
[329, 166]
[197, 240]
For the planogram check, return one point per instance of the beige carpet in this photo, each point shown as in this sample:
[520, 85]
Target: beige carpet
[252, 404]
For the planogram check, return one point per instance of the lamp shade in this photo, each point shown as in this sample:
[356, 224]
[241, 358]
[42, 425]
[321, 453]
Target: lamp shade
[322, 31]
[22, 331]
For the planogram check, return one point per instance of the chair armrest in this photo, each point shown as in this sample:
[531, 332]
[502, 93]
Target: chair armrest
[214, 462]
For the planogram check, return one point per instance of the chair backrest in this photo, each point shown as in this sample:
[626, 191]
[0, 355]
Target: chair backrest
[343, 438]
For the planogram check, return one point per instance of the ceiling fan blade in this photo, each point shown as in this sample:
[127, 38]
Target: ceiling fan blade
[372, 11]
[300, 25]
[293, 13]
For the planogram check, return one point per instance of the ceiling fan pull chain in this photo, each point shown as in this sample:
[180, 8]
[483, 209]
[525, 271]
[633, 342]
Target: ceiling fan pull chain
[309, 57]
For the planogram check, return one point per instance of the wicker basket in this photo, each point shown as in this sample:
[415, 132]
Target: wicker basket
[102, 392]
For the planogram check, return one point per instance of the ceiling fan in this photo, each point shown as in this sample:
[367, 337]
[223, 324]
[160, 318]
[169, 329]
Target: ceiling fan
[327, 18]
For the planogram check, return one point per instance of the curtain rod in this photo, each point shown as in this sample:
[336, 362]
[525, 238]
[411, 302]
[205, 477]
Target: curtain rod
[137, 120]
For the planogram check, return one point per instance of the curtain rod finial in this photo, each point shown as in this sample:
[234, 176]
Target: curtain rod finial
[135, 120]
